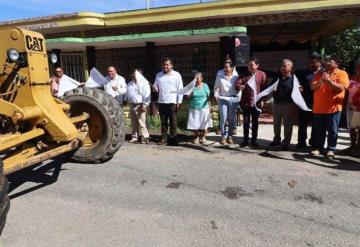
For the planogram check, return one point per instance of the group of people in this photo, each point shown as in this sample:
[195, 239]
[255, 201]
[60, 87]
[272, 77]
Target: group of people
[315, 96]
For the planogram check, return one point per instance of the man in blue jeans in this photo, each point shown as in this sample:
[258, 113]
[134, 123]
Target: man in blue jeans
[329, 91]
[306, 118]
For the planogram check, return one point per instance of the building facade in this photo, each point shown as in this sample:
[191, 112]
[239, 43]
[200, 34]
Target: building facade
[196, 36]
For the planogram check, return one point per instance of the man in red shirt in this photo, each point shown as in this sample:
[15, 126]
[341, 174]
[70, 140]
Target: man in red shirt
[247, 102]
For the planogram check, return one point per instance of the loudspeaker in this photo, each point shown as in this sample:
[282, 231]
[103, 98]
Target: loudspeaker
[240, 50]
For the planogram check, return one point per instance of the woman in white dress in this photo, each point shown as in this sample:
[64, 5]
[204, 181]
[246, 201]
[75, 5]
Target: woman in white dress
[199, 119]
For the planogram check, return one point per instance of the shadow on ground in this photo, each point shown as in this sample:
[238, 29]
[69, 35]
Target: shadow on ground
[343, 163]
[43, 175]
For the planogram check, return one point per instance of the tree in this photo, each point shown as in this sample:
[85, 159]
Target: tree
[346, 45]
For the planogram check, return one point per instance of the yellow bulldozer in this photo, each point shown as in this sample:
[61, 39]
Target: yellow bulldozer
[86, 123]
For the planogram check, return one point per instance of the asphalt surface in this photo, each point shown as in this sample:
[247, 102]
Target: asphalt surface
[150, 195]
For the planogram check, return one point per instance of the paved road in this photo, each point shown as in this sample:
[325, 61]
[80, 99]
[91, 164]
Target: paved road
[150, 195]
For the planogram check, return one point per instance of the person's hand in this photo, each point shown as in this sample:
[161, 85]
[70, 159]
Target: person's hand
[143, 108]
[82, 84]
[301, 88]
[325, 77]
[216, 96]
[114, 88]
[242, 87]
[178, 107]
[260, 104]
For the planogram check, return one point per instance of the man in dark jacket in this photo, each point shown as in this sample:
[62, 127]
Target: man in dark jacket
[305, 118]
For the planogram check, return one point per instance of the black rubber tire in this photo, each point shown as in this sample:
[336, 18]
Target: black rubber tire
[4, 199]
[112, 120]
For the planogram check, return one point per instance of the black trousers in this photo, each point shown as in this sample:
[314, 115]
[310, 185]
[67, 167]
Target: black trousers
[250, 112]
[305, 119]
[168, 116]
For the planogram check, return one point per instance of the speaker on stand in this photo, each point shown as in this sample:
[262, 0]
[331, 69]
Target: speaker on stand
[240, 54]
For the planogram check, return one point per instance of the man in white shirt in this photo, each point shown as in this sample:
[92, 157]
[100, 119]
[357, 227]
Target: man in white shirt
[116, 85]
[138, 96]
[167, 83]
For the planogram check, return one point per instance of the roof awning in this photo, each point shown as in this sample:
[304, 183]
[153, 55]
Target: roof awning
[243, 12]
[139, 40]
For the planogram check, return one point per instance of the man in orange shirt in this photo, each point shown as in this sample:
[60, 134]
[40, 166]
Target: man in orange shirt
[329, 91]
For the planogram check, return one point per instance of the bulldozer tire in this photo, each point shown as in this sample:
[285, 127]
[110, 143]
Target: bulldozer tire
[106, 124]
[4, 199]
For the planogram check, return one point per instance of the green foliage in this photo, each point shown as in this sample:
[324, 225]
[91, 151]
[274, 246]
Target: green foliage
[346, 45]
[153, 122]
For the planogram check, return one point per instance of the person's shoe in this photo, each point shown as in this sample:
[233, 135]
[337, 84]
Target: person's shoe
[230, 141]
[205, 142]
[162, 141]
[244, 143]
[223, 141]
[330, 154]
[300, 146]
[254, 144]
[144, 140]
[284, 147]
[195, 140]
[133, 139]
[315, 152]
[173, 141]
[273, 144]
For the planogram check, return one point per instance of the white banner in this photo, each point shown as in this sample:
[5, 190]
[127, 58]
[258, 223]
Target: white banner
[188, 89]
[66, 84]
[231, 99]
[141, 81]
[252, 84]
[96, 79]
[295, 94]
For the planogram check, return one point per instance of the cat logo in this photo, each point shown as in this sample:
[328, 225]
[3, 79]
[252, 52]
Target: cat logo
[34, 43]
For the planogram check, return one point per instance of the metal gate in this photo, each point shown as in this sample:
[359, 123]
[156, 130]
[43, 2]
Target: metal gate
[73, 65]
[189, 58]
[125, 60]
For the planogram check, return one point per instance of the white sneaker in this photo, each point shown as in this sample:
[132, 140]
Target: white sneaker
[205, 142]
[330, 154]
[315, 152]
[196, 140]
[133, 139]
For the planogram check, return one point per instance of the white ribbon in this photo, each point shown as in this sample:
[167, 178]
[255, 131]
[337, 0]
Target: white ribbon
[188, 89]
[295, 94]
[141, 83]
[235, 99]
[96, 79]
[66, 84]
[252, 84]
